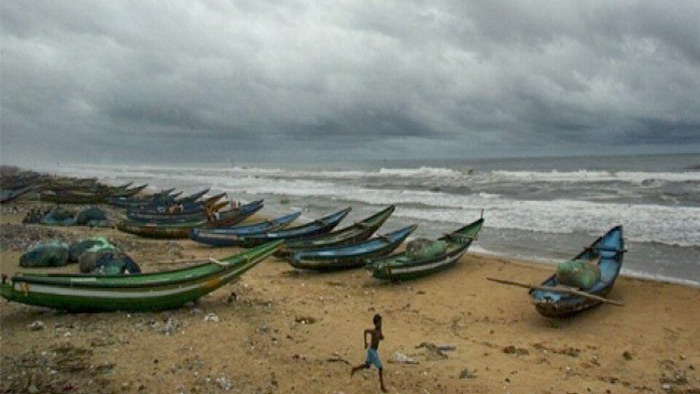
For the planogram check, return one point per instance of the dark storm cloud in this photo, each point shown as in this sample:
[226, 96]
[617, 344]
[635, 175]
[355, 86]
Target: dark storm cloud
[210, 80]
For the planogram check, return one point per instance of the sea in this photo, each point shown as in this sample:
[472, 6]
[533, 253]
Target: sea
[544, 209]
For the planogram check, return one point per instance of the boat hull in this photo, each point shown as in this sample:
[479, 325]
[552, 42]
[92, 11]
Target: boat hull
[131, 292]
[400, 267]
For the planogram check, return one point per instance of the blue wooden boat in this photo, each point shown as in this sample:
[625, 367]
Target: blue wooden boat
[352, 234]
[221, 236]
[402, 267]
[350, 256]
[180, 230]
[319, 226]
[608, 250]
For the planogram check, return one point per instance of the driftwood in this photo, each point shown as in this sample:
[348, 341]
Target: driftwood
[567, 290]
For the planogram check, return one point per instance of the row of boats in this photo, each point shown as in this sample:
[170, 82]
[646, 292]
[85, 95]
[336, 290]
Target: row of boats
[312, 246]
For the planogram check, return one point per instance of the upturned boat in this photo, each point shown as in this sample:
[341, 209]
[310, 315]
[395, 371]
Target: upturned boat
[402, 267]
[355, 233]
[350, 256]
[609, 251]
[135, 292]
[180, 230]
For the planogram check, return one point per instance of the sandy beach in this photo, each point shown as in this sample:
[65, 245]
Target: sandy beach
[278, 330]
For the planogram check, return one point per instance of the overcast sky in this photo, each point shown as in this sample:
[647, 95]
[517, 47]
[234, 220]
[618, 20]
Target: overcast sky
[214, 80]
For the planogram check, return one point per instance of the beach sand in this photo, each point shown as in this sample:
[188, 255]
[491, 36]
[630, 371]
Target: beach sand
[277, 330]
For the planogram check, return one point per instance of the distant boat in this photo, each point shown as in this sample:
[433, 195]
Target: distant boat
[180, 230]
[402, 267]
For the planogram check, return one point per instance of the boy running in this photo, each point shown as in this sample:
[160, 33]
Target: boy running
[372, 355]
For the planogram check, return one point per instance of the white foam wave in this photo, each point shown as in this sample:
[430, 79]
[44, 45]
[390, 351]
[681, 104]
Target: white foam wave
[596, 176]
[675, 225]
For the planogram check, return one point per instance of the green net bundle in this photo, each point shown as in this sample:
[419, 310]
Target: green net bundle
[578, 273]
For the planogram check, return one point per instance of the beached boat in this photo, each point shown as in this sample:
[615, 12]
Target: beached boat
[180, 230]
[609, 251]
[402, 267]
[174, 217]
[135, 292]
[160, 198]
[8, 195]
[355, 233]
[350, 256]
[319, 226]
[220, 236]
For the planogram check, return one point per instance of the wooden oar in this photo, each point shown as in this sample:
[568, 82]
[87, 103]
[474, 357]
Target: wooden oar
[567, 290]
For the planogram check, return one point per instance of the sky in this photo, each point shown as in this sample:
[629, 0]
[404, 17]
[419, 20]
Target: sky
[192, 81]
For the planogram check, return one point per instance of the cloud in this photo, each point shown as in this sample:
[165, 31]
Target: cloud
[210, 80]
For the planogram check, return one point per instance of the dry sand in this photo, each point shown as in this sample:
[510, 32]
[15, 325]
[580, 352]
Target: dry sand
[287, 331]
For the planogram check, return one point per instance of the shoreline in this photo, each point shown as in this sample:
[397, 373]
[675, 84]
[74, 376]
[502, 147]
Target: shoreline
[289, 331]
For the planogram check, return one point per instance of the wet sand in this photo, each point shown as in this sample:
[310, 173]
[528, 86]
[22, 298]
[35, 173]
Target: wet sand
[278, 330]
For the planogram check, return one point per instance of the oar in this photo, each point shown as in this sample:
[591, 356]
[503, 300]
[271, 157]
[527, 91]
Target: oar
[567, 290]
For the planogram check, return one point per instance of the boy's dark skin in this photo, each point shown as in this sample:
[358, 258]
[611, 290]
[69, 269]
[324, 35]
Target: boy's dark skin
[375, 336]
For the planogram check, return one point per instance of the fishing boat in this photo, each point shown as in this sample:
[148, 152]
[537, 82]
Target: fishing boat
[180, 230]
[609, 251]
[402, 267]
[173, 217]
[9, 195]
[319, 226]
[135, 292]
[355, 233]
[160, 208]
[220, 236]
[350, 256]
[160, 198]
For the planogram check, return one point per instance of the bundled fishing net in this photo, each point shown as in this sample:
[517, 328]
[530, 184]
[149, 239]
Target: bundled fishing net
[92, 214]
[51, 254]
[79, 247]
[59, 216]
[88, 258]
[578, 273]
[422, 248]
[115, 263]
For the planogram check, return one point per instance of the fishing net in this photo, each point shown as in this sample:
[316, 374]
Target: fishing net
[78, 248]
[115, 263]
[52, 254]
[88, 259]
[578, 273]
[91, 214]
[59, 216]
[422, 248]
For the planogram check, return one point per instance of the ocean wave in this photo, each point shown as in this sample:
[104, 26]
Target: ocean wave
[676, 225]
[596, 176]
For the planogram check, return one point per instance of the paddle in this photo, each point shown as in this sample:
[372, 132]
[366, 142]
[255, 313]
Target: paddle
[567, 290]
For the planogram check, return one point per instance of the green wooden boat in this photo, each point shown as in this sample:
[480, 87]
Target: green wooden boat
[355, 233]
[401, 267]
[136, 292]
[182, 229]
